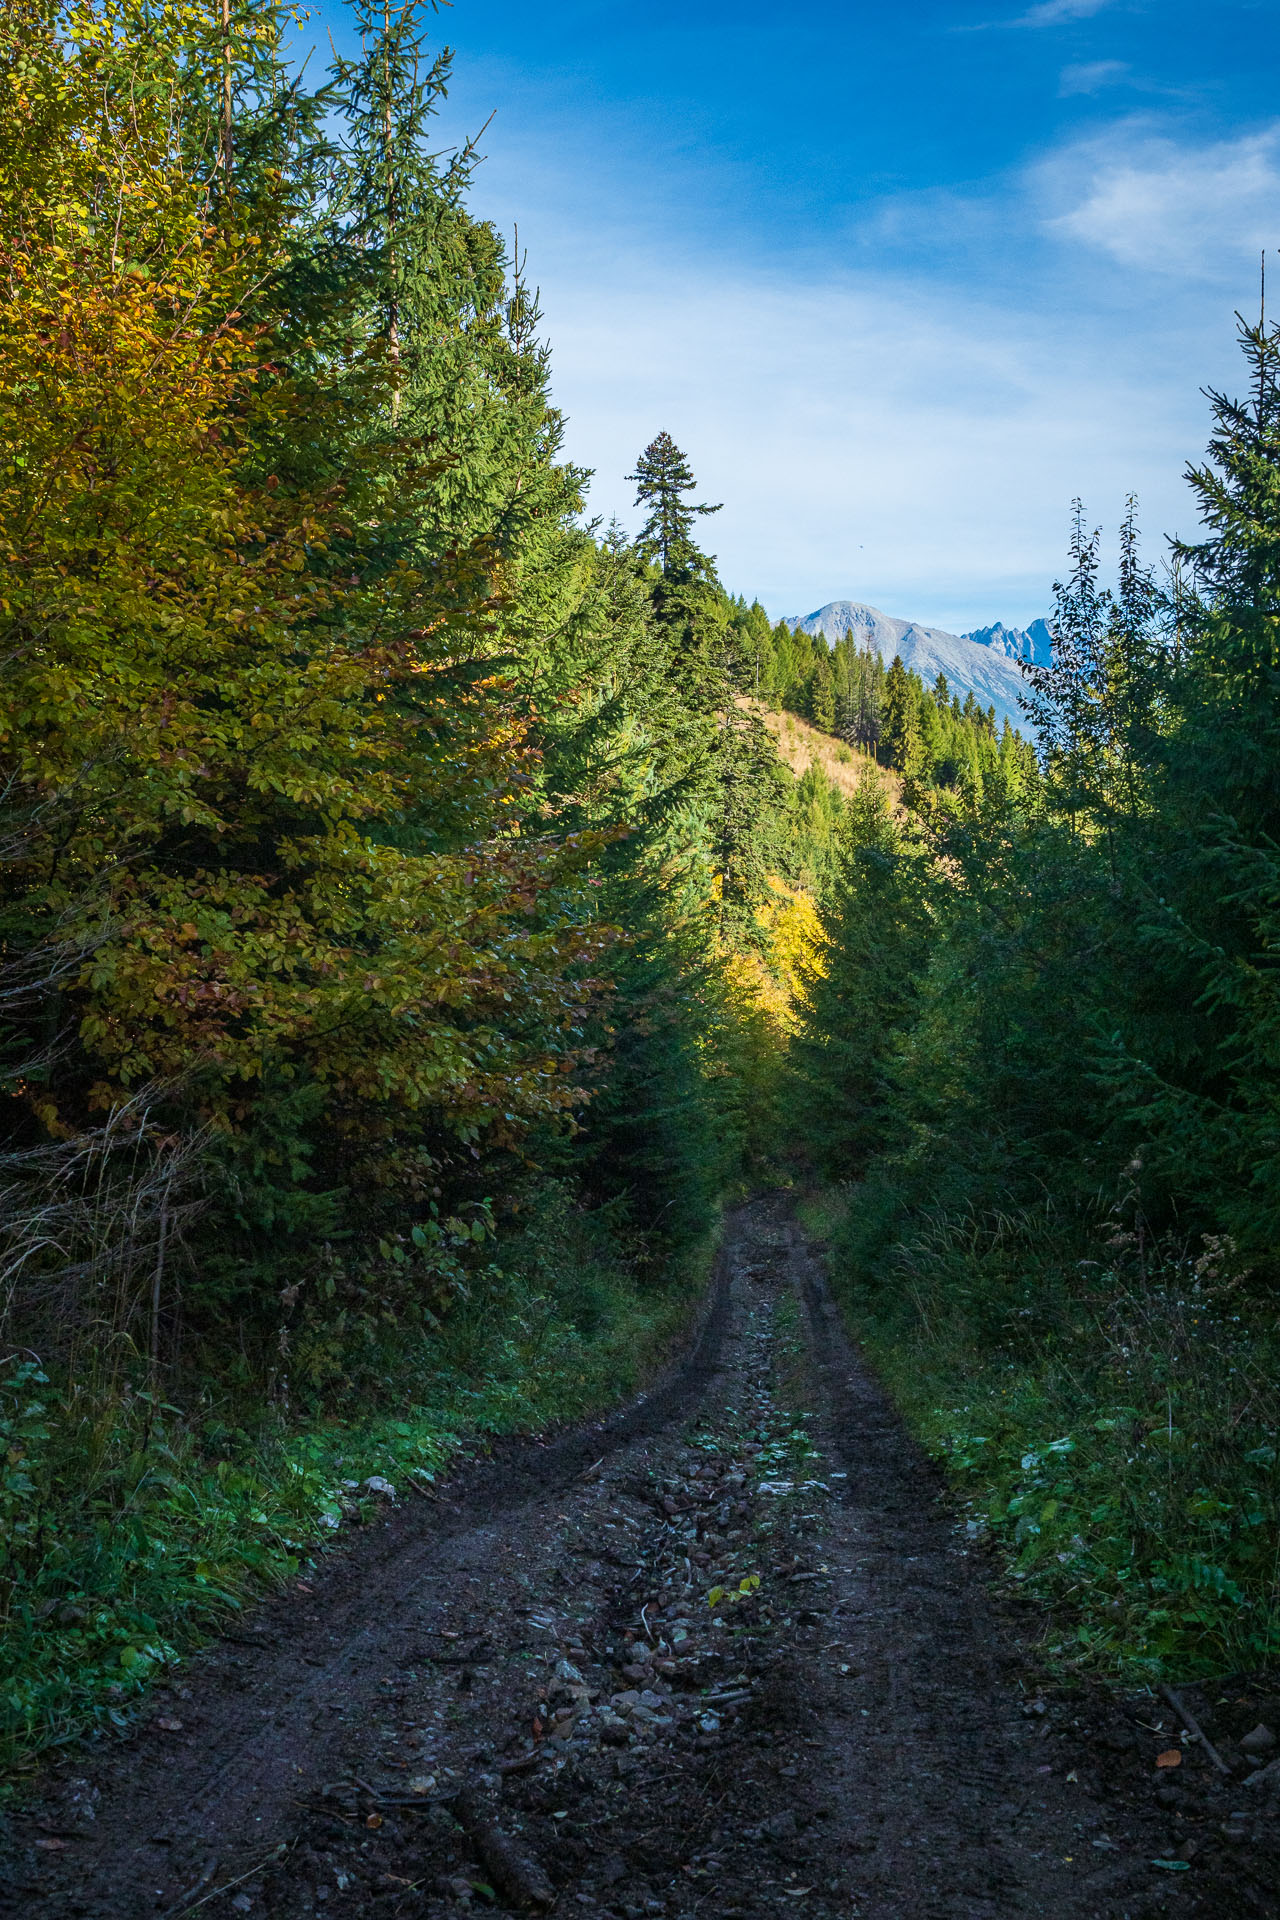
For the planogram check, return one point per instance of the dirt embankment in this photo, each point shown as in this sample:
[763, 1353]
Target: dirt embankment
[724, 1655]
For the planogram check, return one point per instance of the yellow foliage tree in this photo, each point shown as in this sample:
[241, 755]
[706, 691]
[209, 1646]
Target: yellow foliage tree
[233, 720]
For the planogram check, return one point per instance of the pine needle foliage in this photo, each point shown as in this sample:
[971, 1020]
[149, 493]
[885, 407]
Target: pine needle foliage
[1069, 1222]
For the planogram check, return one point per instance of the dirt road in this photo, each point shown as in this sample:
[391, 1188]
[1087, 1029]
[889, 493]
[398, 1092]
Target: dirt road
[727, 1654]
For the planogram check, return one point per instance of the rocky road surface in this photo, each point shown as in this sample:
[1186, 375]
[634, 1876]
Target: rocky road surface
[726, 1654]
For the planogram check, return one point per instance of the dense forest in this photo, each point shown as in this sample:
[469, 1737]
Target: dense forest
[411, 936]
[1042, 1036]
[885, 711]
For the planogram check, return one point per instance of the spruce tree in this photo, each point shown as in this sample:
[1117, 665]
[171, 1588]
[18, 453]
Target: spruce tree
[875, 937]
[900, 731]
[1198, 1074]
[822, 695]
[663, 476]
[750, 801]
[1096, 703]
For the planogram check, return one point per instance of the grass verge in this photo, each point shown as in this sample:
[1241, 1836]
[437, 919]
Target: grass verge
[132, 1528]
[1111, 1425]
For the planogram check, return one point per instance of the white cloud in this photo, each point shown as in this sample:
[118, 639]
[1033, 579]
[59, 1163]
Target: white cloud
[1056, 13]
[866, 440]
[1164, 207]
[1092, 76]
[912, 435]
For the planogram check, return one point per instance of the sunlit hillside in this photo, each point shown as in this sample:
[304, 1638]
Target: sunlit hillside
[803, 746]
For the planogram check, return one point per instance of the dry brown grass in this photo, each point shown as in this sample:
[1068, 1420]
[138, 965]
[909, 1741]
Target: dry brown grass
[803, 746]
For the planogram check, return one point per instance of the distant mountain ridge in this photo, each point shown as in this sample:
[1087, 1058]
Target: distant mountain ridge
[984, 662]
[1033, 643]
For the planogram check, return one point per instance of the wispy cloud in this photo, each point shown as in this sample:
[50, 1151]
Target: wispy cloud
[1047, 13]
[1056, 13]
[905, 444]
[1093, 76]
[1155, 203]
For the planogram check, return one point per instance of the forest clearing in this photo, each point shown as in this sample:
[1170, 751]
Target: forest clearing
[638, 1249]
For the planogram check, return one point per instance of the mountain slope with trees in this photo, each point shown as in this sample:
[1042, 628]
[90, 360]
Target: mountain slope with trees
[984, 663]
[379, 844]
[1041, 1042]
[411, 932]
[881, 707]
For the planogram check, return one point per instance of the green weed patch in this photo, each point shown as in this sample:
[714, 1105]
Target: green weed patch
[1113, 1431]
[132, 1529]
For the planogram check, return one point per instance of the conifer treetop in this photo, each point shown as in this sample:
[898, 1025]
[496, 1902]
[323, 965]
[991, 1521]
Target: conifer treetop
[662, 476]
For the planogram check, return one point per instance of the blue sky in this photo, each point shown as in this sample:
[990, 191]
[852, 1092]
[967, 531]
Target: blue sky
[902, 277]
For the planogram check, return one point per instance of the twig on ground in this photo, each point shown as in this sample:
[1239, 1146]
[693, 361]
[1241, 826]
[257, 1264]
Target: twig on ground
[185, 1900]
[191, 1902]
[1193, 1727]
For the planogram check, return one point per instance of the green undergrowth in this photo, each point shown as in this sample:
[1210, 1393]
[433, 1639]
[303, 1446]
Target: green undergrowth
[134, 1526]
[1112, 1424]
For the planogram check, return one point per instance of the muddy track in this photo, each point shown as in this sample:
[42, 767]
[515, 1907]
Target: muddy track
[725, 1653]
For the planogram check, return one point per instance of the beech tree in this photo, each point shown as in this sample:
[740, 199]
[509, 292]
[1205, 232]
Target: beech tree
[271, 801]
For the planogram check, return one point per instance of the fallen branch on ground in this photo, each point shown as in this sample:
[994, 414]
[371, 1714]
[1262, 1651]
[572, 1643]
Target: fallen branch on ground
[1193, 1727]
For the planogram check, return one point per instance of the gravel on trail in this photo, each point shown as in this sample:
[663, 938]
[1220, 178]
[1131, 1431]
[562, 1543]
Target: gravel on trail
[728, 1653]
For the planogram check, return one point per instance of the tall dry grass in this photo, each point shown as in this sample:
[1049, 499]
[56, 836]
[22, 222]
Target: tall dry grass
[803, 746]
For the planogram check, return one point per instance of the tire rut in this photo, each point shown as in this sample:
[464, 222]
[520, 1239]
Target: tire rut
[240, 1767]
[724, 1653]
